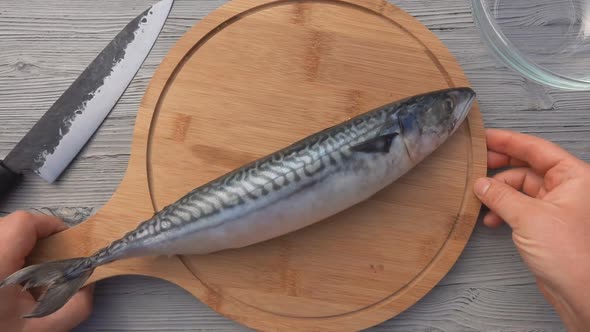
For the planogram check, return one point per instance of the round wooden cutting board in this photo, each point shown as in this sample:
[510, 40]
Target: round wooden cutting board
[254, 77]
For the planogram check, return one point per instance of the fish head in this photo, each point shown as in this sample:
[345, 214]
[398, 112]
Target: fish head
[427, 121]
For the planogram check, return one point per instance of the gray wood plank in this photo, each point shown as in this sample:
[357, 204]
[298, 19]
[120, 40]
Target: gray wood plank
[44, 45]
[473, 309]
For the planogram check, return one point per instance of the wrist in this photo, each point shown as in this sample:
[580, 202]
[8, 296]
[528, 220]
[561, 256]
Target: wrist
[573, 307]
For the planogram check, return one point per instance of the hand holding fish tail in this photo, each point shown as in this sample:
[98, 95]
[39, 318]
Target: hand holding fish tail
[544, 198]
[20, 232]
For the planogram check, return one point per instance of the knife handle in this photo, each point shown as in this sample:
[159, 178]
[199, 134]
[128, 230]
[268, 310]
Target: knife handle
[8, 180]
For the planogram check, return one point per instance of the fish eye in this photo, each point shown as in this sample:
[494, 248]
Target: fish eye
[449, 104]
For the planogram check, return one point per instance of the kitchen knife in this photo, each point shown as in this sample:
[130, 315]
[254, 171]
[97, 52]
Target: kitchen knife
[55, 140]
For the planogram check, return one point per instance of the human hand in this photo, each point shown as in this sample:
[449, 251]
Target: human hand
[19, 232]
[545, 199]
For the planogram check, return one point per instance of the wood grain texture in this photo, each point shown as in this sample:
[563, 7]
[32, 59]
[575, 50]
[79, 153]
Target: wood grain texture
[45, 44]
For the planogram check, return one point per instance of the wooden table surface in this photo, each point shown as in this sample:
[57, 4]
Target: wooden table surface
[45, 45]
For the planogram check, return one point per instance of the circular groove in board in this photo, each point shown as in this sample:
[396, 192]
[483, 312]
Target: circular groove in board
[255, 76]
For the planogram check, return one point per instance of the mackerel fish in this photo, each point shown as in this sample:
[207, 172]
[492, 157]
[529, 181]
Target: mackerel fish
[290, 189]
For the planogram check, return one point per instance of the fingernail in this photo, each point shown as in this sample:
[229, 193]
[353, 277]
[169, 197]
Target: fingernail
[481, 186]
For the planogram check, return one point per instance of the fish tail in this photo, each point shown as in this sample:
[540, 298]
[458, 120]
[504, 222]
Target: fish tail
[62, 278]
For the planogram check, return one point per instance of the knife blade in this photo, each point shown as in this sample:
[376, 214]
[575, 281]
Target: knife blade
[65, 128]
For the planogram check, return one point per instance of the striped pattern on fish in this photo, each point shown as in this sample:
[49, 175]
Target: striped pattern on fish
[290, 189]
[253, 187]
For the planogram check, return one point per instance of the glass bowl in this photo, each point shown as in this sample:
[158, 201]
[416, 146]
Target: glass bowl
[547, 41]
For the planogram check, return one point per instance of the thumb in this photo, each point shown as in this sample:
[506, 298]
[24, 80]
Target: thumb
[504, 200]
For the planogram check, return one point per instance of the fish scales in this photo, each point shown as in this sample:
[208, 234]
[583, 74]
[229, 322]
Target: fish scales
[290, 189]
[304, 161]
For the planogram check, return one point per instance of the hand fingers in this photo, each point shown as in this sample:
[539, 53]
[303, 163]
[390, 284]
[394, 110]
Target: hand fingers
[499, 160]
[19, 231]
[492, 220]
[505, 201]
[540, 154]
[74, 312]
[522, 179]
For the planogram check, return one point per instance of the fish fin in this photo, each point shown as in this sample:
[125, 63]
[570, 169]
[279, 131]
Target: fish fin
[379, 144]
[62, 278]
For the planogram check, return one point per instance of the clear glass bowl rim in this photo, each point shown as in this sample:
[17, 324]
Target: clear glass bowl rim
[504, 50]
